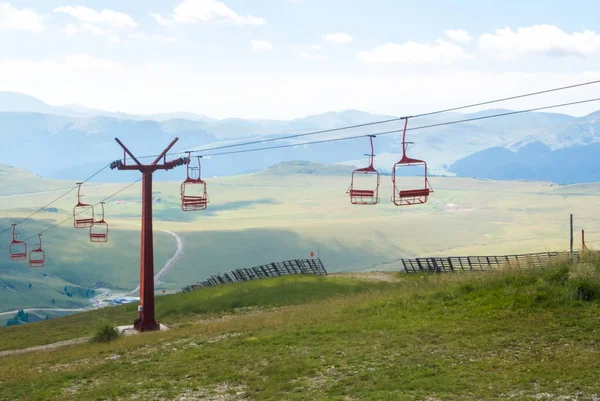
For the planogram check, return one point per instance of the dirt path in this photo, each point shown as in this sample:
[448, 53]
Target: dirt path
[12, 312]
[371, 276]
[44, 347]
[169, 265]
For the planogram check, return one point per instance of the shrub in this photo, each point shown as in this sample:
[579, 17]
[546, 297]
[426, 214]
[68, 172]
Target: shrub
[584, 281]
[105, 334]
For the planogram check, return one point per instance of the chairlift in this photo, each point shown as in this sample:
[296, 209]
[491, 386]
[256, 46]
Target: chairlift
[407, 197]
[365, 196]
[17, 249]
[37, 257]
[99, 230]
[83, 214]
[193, 189]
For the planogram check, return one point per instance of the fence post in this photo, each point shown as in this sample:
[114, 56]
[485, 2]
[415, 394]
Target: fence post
[571, 236]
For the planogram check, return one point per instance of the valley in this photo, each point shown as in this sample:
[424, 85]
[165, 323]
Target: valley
[281, 213]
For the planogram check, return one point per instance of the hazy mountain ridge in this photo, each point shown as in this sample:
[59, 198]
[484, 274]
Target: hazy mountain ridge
[75, 146]
[535, 161]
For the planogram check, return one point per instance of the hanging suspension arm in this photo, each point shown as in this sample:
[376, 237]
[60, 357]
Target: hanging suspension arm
[404, 143]
[372, 155]
[128, 152]
[164, 152]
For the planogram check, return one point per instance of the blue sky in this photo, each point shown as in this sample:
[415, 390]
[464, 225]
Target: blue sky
[290, 58]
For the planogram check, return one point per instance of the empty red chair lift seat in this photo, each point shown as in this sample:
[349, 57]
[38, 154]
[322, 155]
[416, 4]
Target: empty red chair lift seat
[83, 214]
[365, 196]
[99, 231]
[37, 257]
[17, 249]
[193, 190]
[408, 197]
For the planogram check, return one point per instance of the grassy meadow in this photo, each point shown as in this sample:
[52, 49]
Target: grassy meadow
[527, 334]
[279, 215]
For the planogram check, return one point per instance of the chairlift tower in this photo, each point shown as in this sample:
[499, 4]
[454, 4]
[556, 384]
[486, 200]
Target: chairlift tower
[146, 320]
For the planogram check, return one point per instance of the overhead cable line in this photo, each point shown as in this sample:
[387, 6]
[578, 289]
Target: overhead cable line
[55, 200]
[357, 136]
[401, 130]
[84, 210]
[259, 141]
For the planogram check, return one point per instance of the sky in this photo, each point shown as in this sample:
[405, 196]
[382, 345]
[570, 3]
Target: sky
[283, 59]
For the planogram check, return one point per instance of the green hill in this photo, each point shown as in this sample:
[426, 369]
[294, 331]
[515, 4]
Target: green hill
[18, 181]
[308, 168]
[526, 335]
[276, 215]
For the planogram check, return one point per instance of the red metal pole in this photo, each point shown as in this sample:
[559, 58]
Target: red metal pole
[148, 321]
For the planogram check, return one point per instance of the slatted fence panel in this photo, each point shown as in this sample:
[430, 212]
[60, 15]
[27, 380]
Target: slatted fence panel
[478, 263]
[288, 267]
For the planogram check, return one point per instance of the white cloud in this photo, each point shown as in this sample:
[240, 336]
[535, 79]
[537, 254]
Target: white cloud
[164, 38]
[72, 29]
[161, 21]
[316, 47]
[197, 11]
[261, 45]
[540, 39]
[182, 86]
[458, 35]
[83, 61]
[115, 39]
[338, 38]
[137, 35]
[412, 53]
[73, 63]
[20, 20]
[313, 57]
[155, 36]
[110, 18]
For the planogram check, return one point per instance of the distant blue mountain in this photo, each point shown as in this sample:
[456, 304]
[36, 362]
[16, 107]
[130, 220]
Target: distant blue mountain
[535, 161]
[72, 142]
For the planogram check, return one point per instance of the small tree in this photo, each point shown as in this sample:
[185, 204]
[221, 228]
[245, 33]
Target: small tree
[105, 334]
[30, 285]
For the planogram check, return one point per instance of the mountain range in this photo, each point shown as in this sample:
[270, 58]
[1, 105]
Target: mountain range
[72, 142]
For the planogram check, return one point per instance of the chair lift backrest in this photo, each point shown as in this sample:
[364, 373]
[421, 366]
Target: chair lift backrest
[17, 249]
[412, 196]
[37, 257]
[365, 196]
[193, 202]
[80, 208]
[99, 230]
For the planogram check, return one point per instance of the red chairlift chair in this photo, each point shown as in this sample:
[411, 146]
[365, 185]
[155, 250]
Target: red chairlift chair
[83, 214]
[99, 231]
[37, 257]
[17, 249]
[193, 189]
[407, 197]
[365, 196]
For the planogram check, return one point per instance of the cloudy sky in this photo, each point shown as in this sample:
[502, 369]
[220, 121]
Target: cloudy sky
[291, 58]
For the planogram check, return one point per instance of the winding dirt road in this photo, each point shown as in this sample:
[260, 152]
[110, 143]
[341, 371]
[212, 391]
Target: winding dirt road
[168, 265]
[166, 268]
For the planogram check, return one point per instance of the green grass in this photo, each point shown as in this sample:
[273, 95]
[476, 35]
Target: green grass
[520, 335]
[265, 217]
[179, 308]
